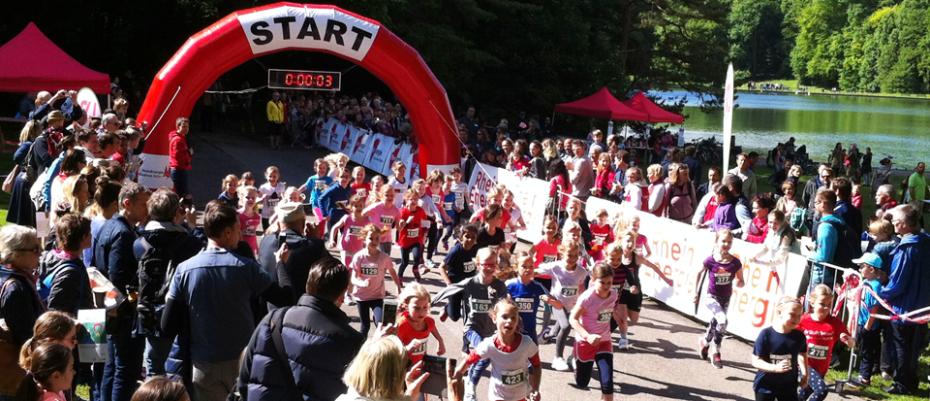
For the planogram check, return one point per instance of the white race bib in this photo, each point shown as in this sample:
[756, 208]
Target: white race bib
[604, 315]
[468, 267]
[387, 220]
[513, 377]
[369, 270]
[413, 232]
[816, 351]
[569, 291]
[524, 305]
[550, 258]
[723, 278]
[480, 305]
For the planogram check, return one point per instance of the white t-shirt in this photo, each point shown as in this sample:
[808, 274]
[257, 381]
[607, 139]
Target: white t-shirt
[566, 285]
[399, 189]
[272, 196]
[510, 378]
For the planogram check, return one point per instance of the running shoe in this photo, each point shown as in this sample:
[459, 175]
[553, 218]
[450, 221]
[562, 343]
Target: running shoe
[705, 347]
[443, 315]
[623, 343]
[887, 376]
[717, 362]
[560, 365]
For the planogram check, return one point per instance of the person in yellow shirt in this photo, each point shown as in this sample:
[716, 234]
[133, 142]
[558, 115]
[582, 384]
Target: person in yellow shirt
[275, 114]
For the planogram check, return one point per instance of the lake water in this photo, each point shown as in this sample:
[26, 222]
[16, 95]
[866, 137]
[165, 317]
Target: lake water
[897, 127]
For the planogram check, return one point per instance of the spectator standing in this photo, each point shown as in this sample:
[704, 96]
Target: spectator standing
[20, 305]
[162, 245]
[315, 336]
[908, 289]
[743, 171]
[290, 275]
[179, 157]
[274, 111]
[582, 171]
[62, 272]
[212, 292]
[809, 195]
[884, 199]
[713, 177]
[917, 188]
[827, 240]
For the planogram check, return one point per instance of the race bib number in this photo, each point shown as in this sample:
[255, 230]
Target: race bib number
[369, 270]
[569, 291]
[816, 351]
[419, 349]
[413, 232]
[272, 203]
[320, 185]
[723, 278]
[550, 258]
[524, 305]
[361, 192]
[600, 239]
[776, 358]
[459, 201]
[604, 315]
[387, 220]
[480, 305]
[513, 377]
[468, 267]
[249, 231]
[436, 199]
[447, 205]
[355, 231]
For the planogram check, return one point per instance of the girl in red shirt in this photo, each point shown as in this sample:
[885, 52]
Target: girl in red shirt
[414, 325]
[822, 330]
[601, 236]
[359, 185]
[410, 236]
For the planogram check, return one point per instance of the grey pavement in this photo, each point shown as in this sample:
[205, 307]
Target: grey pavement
[662, 365]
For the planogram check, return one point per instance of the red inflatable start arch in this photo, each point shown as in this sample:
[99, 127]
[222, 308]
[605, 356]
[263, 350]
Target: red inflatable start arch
[259, 31]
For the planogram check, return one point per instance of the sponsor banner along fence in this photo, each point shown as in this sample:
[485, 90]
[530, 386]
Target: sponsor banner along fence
[679, 249]
[372, 150]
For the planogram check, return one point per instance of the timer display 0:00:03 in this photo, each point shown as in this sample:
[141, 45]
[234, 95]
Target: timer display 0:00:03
[308, 80]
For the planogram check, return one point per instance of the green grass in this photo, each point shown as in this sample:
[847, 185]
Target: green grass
[792, 84]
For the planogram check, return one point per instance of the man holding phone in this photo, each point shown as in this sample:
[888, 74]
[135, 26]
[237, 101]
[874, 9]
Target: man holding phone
[291, 230]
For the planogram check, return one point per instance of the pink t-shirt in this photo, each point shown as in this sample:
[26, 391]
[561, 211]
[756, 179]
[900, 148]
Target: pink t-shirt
[352, 240]
[383, 216]
[597, 312]
[373, 269]
[250, 226]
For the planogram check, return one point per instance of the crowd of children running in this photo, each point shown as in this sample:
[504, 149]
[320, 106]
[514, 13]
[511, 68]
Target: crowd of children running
[583, 275]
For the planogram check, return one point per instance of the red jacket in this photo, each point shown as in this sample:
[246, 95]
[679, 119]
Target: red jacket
[179, 156]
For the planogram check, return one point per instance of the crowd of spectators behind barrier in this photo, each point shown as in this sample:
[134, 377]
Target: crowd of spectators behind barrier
[201, 300]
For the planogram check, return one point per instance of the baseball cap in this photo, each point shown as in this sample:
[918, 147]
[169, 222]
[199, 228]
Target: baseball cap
[870, 259]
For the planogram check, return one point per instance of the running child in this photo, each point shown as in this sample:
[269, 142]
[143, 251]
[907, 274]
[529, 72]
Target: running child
[779, 355]
[431, 195]
[545, 251]
[349, 229]
[568, 281]
[459, 265]
[822, 331]
[623, 258]
[460, 188]
[229, 194]
[515, 223]
[527, 294]
[601, 235]
[721, 268]
[398, 182]
[384, 215]
[359, 186]
[368, 267]
[410, 236]
[448, 206]
[509, 353]
[374, 193]
[414, 324]
[491, 235]
[271, 192]
[591, 320]
[250, 222]
[317, 183]
[479, 293]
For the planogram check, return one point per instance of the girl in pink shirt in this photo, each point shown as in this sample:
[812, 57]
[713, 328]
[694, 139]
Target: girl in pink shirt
[591, 320]
[250, 221]
[384, 214]
[51, 371]
[368, 267]
[350, 228]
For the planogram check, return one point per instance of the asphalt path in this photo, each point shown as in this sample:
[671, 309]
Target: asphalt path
[663, 363]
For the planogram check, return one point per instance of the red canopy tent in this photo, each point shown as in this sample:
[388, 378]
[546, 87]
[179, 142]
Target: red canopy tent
[601, 104]
[32, 62]
[654, 113]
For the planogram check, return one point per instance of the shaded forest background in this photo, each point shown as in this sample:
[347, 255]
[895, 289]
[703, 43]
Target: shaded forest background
[528, 55]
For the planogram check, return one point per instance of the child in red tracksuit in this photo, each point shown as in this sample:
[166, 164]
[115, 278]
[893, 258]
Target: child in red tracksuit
[410, 234]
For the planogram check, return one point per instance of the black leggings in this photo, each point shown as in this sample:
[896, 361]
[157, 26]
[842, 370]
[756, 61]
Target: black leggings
[376, 306]
[790, 394]
[432, 235]
[605, 369]
[415, 250]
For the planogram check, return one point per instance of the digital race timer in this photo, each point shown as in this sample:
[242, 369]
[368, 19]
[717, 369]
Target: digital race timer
[306, 80]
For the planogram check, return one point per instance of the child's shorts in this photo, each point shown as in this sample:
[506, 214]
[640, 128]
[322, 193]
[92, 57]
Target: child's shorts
[585, 352]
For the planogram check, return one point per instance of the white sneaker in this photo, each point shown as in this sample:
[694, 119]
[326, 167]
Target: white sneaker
[624, 343]
[560, 365]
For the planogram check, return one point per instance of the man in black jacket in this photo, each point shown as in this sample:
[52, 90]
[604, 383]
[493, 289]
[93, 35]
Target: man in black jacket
[290, 275]
[114, 258]
[317, 342]
[162, 245]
